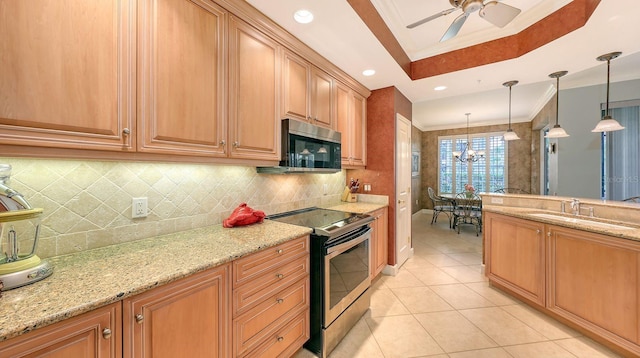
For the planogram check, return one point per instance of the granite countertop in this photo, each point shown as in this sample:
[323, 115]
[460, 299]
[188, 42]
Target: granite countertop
[585, 223]
[359, 208]
[91, 279]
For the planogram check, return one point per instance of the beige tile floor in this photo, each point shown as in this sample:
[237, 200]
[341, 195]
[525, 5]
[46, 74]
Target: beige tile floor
[440, 305]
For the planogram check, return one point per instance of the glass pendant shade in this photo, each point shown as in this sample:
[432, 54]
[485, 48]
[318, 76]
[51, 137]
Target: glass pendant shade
[607, 123]
[510, 135]
[556, 132]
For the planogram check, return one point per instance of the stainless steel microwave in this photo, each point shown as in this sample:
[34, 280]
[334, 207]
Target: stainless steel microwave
[307, 148]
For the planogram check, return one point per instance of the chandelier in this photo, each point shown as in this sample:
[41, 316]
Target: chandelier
[468, 154]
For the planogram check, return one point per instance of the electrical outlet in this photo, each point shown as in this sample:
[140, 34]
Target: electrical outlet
[139, 208]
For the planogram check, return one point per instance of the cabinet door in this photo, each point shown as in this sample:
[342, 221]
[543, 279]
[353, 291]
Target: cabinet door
[181, 77]
[66, 74]
[295, 87]
[254, 91]
[343, 120]
[187, 318]
[515, 255]
[359, 135]
[594, 280]
[93, 334]
[322, 99]
[380, 248]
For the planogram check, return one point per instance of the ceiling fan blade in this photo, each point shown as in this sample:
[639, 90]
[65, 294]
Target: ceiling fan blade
[432, 17]
[454, 27]
[498, 13]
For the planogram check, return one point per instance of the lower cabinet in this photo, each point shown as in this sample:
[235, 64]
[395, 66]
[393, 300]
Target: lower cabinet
[515, 255]
[93, 334]
[187, 318]
[379, 241]
[271, 301]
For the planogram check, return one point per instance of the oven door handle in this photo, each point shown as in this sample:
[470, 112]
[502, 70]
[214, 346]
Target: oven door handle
[349, 244]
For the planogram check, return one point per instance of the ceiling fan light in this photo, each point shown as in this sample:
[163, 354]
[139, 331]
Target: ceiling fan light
[510, 135]
[498, 14]
[607, 124]
[556, 132]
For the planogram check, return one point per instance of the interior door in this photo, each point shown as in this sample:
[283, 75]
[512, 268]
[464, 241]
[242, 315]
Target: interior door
[403, 190]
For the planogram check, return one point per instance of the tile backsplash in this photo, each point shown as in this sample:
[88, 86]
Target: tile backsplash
[87, 204]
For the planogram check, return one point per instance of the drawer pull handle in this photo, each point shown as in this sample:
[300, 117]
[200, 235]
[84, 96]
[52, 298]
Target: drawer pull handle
[280, 339]
[139, 318]
[279, 275]
[106, 333]
[279, 300]
[278, 251]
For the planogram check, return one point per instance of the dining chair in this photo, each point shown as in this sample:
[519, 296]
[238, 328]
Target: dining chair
[468, 210]
[511, 191]
[440, 205]
[633, 199]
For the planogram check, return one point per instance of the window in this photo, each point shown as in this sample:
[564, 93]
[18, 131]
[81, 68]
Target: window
[486, 175]
[621, 153]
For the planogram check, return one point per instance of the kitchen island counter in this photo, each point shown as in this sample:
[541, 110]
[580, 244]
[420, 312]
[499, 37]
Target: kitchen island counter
[87, 280]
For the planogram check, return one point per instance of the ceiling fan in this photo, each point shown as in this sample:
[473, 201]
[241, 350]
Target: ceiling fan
[497, 13]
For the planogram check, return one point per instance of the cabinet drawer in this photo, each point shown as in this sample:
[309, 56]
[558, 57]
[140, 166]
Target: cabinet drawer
[269, 284]
[246, 269]
[262, 321]
[286, 340]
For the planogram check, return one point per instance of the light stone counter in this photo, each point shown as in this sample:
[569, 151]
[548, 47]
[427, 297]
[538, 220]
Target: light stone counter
[608, 213]
[359, 208]
[91, 279]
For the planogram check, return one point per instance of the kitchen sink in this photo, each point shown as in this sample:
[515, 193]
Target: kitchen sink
[577, 220]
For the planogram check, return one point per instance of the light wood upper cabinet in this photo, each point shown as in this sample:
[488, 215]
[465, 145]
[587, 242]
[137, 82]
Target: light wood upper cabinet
[515, 255]
[351, 118]
[96, 334]
[322, 98]
[181, 77]
[187, 318]
[379, 241]
[254, 90]
[594, 280]
[66, 74]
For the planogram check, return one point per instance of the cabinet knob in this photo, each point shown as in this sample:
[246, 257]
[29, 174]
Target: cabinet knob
[279, 300]
[236, 144]
[279, 275]
[126, 131]
[139, 318]
[223, 142]
[106, 333]
[280, 339]
[278, 251]
[538, 231]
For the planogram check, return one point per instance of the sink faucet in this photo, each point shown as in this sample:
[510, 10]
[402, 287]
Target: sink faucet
[575, 206]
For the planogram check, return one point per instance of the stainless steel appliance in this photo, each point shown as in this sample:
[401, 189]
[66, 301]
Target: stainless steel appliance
[307, 148]
[19, 229]
[340, 249]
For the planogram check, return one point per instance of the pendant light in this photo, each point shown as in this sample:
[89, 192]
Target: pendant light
[557, 131]
[510, 134]
[608, 124]
[468, 154]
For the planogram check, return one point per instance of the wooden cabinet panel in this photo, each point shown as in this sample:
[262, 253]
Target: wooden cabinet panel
[181, 77]
[286, 340]
[515, 255]
[594, 280]
[379, 241]
[254, 90]
[296, 87]
[187, 318]
[66, 77]
[95, 334]
[350, 109]
[322, 99]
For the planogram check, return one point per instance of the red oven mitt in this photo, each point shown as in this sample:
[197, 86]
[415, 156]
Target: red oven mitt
[243, 215]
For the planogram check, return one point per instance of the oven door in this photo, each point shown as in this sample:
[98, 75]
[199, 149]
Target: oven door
[346, 272]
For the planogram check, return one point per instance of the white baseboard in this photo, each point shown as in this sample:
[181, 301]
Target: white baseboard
[393, 270]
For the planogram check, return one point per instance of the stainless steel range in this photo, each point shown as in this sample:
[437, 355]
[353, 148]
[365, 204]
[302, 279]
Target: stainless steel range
[340, 280]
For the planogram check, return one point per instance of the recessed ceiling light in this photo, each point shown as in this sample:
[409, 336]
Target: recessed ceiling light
[303, 16]
[440, 88]
[369, 72]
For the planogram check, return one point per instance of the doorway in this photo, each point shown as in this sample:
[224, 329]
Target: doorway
[403, 190]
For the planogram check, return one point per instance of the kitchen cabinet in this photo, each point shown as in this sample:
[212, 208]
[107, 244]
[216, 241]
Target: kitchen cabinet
[66, 79]
[181, 77]
[515, 255]
[594, 281]
[271, 300]
[379, 241]
[351, 122]
[254, 90]
[307, 92]
[186, 318]
[94, 334]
